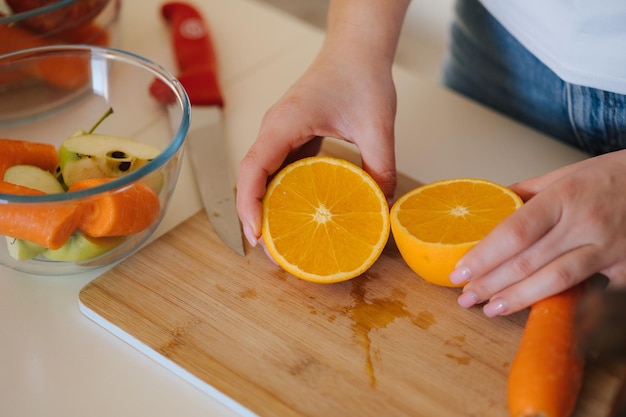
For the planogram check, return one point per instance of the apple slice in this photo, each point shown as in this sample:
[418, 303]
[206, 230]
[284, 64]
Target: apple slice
[22, 250]
[33, 177]
[102, 156]
[81, 247]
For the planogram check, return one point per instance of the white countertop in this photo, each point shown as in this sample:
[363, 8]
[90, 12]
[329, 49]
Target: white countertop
[57, 363]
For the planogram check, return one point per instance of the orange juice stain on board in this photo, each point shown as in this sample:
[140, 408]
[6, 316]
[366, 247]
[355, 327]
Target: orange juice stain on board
[377, 313]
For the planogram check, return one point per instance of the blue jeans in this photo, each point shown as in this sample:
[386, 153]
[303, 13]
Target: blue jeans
[488, 65]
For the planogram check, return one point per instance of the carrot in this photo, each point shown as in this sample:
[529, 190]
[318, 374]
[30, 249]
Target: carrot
[89, 33]
[120, 213]
[19, 152]
[53, 20]
[15, 38]
[63, 72]
[546, 374]
[46, 225]
[66, 72]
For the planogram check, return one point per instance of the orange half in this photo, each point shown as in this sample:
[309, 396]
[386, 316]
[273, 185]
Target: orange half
[324, 219]
[436, 224]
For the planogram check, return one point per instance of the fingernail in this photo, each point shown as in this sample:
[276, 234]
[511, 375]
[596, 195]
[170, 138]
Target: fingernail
[250, 236]
[467, 299]
[495, 307]
[460, 275]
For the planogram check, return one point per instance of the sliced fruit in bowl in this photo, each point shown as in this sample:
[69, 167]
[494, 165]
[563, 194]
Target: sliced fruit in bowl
[98, 156]
[72, 199]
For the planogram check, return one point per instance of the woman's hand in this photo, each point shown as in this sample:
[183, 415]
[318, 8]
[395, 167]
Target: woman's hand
[347, 93]
[572, 226]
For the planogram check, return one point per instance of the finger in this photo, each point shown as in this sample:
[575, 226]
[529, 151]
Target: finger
[512, 236]
[560, 240]
[525, 189]
[530, 187]
[379, 160]
[265, 157]
[310, 148]
[565, 272]
[383, 171]
[515, 269]
[250, 190]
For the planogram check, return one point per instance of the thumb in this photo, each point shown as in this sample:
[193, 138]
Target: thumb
[380, 162]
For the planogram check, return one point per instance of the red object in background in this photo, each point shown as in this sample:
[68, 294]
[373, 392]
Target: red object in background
[195, 57]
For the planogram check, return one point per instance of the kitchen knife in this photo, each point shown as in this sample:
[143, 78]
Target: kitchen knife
[601, 331]
[209, 157]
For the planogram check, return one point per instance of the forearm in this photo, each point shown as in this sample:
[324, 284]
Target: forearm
[365, 30]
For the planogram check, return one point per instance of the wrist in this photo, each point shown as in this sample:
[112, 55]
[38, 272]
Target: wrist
[365, 30]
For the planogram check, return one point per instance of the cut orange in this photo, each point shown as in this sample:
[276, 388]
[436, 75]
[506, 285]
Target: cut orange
[324, 219]
[436, 224]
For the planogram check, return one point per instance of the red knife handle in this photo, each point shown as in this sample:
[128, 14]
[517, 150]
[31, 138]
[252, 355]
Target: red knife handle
[194, 53]
[190, 36]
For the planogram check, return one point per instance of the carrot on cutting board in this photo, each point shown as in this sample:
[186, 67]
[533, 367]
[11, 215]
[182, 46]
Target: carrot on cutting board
[19, 152]
[118, 213]
[46, 225]
[546, 374]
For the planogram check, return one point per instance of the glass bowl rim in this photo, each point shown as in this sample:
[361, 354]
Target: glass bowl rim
[120, 182]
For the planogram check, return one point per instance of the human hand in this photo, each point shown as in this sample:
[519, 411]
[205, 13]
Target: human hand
[572, 226]
[339, 96]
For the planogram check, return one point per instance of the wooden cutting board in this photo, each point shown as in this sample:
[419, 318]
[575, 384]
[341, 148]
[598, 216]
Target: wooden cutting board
[383, 344]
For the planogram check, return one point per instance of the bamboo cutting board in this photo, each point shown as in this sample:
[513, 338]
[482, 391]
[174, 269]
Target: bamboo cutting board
[383, 344]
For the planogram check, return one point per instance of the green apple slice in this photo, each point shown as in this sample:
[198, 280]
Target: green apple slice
[22, 250]
[33, 177]
[81, 247]
[102, 156]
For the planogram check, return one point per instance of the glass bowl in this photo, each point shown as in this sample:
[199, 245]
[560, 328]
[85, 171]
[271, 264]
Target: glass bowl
[50, 22]
[137, 150]
[29, 23]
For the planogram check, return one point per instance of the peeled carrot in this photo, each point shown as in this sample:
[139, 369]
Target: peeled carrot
[64, 72]
[546, 374]
[51, 21]
[19, 152]
[72, 72]
[67, 72]
[13, 38]
[46, 225]
[89, 33]
[120, 213]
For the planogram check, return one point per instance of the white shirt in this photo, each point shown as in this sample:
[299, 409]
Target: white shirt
[582, 41]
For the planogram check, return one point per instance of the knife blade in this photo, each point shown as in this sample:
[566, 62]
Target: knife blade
[209, 156]
[600, 325]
